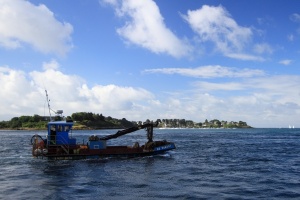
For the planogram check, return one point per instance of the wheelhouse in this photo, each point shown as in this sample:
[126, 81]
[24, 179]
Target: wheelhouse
[60, 133]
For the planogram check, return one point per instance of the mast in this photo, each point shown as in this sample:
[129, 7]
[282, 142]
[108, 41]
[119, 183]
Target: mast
[48, 105]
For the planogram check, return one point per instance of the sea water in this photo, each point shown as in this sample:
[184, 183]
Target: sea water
[207, 164]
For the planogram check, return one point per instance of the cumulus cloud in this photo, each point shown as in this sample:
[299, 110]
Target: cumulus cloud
[295, 17]
[260, 101]
[145, 27]
[211, 71]
[111, 2]
[263, 48]
[291, 37]
[209, 86]
[268, 85]
[241, 56]
[24, 94]
[22, 22]
[51, 65]
[285, 62]
[17, 93]
[112, 97]
[215, 24]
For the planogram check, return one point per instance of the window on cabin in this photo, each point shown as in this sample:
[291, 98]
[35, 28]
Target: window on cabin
[67, 128]
[60, 128]
[52, 134]
[52, 128]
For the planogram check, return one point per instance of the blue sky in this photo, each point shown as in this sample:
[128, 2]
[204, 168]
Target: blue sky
[197, 60]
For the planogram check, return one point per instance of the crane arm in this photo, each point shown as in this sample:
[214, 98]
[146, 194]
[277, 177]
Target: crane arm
[149, 127]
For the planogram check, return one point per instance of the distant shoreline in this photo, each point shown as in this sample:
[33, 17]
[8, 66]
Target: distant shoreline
[108, 128]
[91, 121]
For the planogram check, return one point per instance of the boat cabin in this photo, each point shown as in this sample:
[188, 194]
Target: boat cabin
[59, 133]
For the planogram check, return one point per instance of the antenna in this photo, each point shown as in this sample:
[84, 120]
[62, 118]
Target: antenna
[58, 112]
[48, 105]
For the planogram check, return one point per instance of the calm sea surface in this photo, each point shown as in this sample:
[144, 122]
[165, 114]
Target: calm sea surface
[207, 164]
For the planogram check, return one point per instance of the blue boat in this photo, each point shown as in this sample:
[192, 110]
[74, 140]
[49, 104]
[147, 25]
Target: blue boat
[60, 144]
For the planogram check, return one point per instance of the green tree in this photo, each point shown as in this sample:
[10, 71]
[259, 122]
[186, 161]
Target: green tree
[15, 123]
[37, 118]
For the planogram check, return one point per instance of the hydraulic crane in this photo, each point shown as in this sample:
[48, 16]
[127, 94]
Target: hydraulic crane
[148, 126]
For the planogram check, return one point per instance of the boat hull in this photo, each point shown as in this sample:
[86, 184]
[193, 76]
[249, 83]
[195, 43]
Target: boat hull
[81, 152]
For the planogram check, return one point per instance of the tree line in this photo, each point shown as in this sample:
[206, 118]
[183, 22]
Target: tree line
[88, 120]
[215, 123]
[84, 120]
